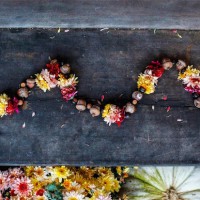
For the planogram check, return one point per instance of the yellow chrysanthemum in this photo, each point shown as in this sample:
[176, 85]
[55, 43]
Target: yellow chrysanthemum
[106, 183]
[65, 82]
[106, 110]
[41, 83]
[61, 172]
[36, 184]
[67, 184]
[119, 170]
[3, 104]
[147, 82]
[29, 170]
[190, 71]
[116, 186]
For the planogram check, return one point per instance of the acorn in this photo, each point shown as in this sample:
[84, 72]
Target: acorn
[23, 85]
[20, 102]
[54, 61]
[137, 95]
[130, 108]
[180, 65]
[89, 105]
[134, 102]
[23, 92]
[65, 69]
[95, 111]
[197, 102]
[167, 63]
[81, 105]
[30, 82]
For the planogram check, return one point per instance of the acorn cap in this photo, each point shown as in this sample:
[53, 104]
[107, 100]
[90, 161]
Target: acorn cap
[180, 65]
[95, 111]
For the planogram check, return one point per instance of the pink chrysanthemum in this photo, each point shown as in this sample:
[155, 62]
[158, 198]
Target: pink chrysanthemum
[22, 186]
[50, 79]
[113, 114]
[68, 93]
[13, 174]
[3, 181]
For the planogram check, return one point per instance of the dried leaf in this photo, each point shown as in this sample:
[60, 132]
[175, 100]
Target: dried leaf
[24, 125]
[168, 108]
[33, 114]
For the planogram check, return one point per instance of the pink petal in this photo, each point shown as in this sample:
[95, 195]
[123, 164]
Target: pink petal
[168, 108]
[164, 98]
[102, 97]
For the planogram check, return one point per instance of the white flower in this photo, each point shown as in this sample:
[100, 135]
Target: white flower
[73, 196]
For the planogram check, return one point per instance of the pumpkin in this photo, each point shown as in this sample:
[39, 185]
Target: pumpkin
[164, 183]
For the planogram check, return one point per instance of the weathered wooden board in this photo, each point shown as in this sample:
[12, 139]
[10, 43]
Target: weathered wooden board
[107, 63]
[159, 14]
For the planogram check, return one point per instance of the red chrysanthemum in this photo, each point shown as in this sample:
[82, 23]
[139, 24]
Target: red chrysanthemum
[40, 192]
[12, 106]
[121, 117]
[192, 90]
[54, 69]
[68, 93]
[156, 68]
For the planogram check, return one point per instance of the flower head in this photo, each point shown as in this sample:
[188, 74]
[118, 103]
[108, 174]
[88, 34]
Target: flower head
[3, 104]
[22, 186]
[12, 106]
[156, 69]
[147, 82]
[42, 83]
[104, 197]
[73, 196]
[113, 114]
[189, 72]
[3, 181]
[67, 82]
[68, 93]
[53, 68]
[61, 172]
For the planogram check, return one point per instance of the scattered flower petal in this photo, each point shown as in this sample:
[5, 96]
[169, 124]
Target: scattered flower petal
[33, 114]
[164, 98]
[24, 125]
[58, 30]
[102, 98]
[168, 108]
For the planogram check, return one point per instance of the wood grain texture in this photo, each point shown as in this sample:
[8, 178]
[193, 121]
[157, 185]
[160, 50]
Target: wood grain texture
[156, 14]
[107, 62]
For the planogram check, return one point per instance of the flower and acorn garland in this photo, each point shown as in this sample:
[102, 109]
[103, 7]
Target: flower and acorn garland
[58, 75]
[62, 183]
[190, 78]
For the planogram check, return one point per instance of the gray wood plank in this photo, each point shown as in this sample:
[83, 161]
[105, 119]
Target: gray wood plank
[156, 14]
[107, 62]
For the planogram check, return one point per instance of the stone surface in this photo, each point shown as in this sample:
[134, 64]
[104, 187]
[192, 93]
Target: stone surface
[107, 63]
